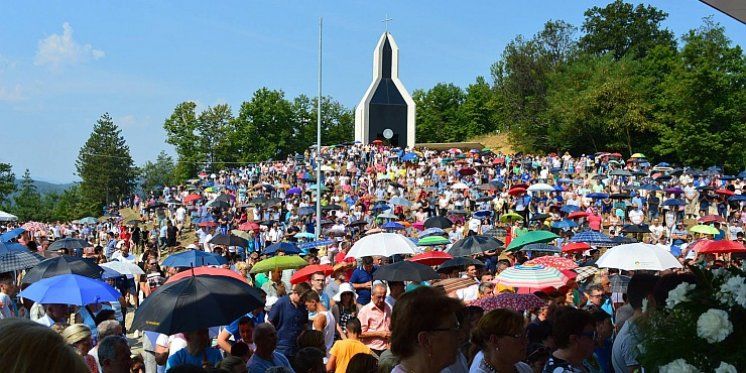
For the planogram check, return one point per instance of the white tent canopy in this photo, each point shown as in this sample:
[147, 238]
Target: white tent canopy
[4, 216]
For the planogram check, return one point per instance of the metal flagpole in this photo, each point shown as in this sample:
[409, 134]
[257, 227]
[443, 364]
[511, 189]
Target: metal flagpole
[318, 142]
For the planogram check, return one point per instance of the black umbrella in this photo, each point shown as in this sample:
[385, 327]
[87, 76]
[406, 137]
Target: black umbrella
[474, 245]
[633, 228]
[459, 262]
[331, 207]
[538, 217]
[621, 240]
[218, 204]
[157, 206]
[194, 303]
[229, 240]
[62, 265]
[438, 222]
[619, 196]
[223, 197]
[68, 243]
[357, 223]
[405, 271]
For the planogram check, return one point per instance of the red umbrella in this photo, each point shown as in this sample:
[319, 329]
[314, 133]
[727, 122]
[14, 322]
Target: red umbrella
[554, 261]
[249, 226]
[725, 192]
[575, 247]
[377, 142]
[520, 185]
[192, 197]
[208, 224]
[719, 247]
[711, 219]
[498, 161]
[517, 191]
[577, 215]
[467, 171]
[431, 258]
[205, 271]
[511, 301]
[304, 274]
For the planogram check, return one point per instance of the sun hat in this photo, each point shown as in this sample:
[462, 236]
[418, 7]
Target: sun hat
[76, 333]
[344, 287]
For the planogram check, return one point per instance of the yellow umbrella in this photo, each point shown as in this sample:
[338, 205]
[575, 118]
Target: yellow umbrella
[704, 229]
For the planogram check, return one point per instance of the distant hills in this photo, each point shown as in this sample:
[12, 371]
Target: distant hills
[44, 187]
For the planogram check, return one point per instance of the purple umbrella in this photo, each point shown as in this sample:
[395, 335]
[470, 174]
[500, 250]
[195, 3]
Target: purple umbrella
[674, 190]
[511, 301]
[294, 190]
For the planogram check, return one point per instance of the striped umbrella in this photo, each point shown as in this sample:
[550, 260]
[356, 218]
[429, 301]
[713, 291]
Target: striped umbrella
[563, 264]
[15, 257]
[531, 276]
[593, 238]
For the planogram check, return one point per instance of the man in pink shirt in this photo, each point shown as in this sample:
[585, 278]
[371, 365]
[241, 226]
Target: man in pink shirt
[595, 220]
[375, 318]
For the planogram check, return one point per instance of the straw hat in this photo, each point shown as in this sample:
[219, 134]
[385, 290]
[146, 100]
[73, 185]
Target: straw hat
[76, 333]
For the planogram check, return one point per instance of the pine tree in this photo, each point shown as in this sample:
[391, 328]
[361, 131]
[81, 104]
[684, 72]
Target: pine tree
[27, 204]
[7, 182]
[104, 164]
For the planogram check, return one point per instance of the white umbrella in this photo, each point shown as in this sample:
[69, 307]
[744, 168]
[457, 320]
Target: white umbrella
[541, 187]
[4, 216]
[638, 256]
[460, 185]
[382, 244]
[125, 268]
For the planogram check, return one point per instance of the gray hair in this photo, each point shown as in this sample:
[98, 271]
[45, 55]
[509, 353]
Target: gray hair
[107, 348]
[380, 285]
[484, 286]
[108, 327]
[263, 329]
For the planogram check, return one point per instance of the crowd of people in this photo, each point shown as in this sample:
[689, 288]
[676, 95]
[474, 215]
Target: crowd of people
[345, 320]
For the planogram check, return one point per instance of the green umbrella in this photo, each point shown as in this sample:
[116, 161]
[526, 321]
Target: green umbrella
[433, 241]
[704, 229]
[510, 217]
[279, 262]
[531, 237]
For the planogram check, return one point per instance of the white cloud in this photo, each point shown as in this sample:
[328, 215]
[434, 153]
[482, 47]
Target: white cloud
[59, 50]
[8, 94]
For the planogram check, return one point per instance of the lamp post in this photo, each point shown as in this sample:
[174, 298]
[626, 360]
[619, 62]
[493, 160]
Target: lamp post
[318, 141]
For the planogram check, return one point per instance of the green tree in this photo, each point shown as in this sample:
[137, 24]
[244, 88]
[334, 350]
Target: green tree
[154, 175]
[214, 125]
[104, 164]
[621, 28]
[264, 127]
[181, 132]
[337, 122]
[71, 205]
[7, 182]
[478, 109]
[27, 203]
[439, 116]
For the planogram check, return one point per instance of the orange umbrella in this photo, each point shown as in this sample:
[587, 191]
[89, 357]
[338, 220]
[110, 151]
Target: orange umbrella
[205, 271]
[304, 274]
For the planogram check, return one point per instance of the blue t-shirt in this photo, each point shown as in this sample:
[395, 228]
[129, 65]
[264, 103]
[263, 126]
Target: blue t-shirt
[182, 357]
[258, 365]
[361, 276]
[289, 321]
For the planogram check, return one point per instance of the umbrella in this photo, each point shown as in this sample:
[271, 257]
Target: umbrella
[619, 196]
[88, 220]
[649, 187]
[563, 264]
[312, 244]
[541, 247]
[306, 210]
[293, 191]
[357, 223]
[286, 247]
[249, 226]
[405, 271]
[218, 204]
[15, 257]
[482, 214]
[592, 238]
[399, 201]
[737, 198]
[193, 258]
[194, 303]
[720, 247]
[530, 237]
[638, 155]
[205, 271]
[460, 186]
[433, 241]
[510, 217]
[304, 274]
[191, 198]
[279, 262]
[70, 289]
[228, 240]
[467, 171]
[387, 215]
[575, 247]
[68, 243]
[540, 187]
[621, 240]
[431, 232]
[564, 224]
[585, 272]
[711, 219]
[304, 235]
[674, 190]
[510, 301]
[438, 222]
[597, 195]
[474, 245]
[531, 277]
[431, 258]
[61, 265]
[208, 223]
[392, 225]
[459, 262]
[125, 268]
[516, 191]
[569, 209]
[331, 207]
[673, 202]
[633, 228]
[538, 217]
[9, 235]
[638, 256]
[577, 215]
[620, 172]
[704, 229]
[725, 192]
[382, 244]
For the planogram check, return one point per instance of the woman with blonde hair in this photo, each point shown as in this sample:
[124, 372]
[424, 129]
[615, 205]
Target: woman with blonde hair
[500, 336]
[27, 346]
[79, 337]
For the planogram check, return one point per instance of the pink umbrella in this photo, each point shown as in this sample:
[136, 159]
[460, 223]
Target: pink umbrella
[418, 225]
[510, 301]
[563, 264]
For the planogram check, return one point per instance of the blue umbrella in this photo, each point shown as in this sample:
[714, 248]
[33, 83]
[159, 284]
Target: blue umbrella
[663, 164]
[312, 244]
[286, 247]
[307, 210]
[737, 198]
[543, 247]
[592, 238]
[482, 214]
[393, 226]
[673, 202]
[70, 289]
[649, 187]
[564, 224]
[382, 207]
[193, 258]
[400, 201]
[569, 208]
[741, 175]
[597, 195]
[431, 232]
[9, 235]
[305, 235]
[409, 157]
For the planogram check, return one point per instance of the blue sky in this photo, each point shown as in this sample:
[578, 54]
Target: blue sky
[63, 64]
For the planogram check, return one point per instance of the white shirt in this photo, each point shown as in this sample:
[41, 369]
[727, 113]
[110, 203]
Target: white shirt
[468, 294]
